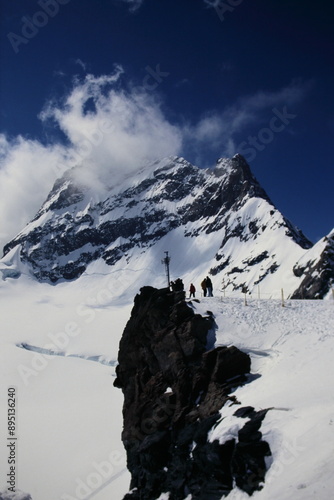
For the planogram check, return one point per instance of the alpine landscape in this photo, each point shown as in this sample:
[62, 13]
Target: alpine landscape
[166, 250]
[74, 270]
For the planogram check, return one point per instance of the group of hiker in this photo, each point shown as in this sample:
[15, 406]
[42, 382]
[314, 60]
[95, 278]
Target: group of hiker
[206, 286]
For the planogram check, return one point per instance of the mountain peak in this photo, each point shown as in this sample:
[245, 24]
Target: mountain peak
[218, 221]
[236, 166]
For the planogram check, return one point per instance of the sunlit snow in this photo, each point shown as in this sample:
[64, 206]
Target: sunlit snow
[59, 347]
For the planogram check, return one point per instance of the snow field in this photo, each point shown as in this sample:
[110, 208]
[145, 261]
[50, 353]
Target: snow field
[70, 415]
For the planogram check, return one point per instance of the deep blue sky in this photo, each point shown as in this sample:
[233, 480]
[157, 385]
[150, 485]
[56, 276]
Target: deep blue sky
[262, 57]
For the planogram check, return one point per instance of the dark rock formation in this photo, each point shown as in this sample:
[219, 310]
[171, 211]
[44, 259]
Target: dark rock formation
[173, 390]
[317, 273]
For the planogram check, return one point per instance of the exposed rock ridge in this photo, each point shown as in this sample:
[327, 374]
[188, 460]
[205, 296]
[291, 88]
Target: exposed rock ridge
[174, 385]
[316, 270]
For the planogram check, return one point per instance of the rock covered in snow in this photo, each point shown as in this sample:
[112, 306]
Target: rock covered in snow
[174, 386]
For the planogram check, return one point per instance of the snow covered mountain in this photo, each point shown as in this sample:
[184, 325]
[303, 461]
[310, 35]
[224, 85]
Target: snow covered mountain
[100, 245]
[215, 221]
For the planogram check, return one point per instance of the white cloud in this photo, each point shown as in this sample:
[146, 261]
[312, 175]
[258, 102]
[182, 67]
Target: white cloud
[220, 131]
[28, 170]
[111, 133]
[80, 63]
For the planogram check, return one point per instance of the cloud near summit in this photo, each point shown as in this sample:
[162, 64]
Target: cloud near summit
[112, 131]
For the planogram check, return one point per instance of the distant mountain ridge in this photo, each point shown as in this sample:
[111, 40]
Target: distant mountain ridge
[218, 221]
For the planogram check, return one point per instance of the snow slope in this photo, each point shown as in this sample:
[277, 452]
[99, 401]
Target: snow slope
[69, 415]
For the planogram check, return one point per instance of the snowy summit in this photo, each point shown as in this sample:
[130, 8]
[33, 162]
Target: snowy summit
[217, 220]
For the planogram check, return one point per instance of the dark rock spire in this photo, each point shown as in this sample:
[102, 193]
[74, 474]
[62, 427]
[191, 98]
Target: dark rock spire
[173, 390]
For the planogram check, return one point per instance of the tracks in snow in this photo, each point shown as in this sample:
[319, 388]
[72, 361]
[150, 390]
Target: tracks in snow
[51, 352]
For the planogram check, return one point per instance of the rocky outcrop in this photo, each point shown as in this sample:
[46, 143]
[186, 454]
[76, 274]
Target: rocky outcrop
[174, 385]
[316, 270]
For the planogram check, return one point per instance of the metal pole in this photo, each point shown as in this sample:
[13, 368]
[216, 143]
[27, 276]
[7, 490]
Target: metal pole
[166, 261]
[282, 293]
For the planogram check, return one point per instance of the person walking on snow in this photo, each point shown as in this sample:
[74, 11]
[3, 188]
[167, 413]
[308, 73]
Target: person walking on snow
[209, 286]
[203, 285]
[192, 290]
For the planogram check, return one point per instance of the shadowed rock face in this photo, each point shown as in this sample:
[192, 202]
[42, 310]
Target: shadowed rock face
[173, 390]
[317, 274]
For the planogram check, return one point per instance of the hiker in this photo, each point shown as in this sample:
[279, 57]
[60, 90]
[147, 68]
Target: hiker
[209, 286]
[203, 285]
[192, 290]
[178, 285]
